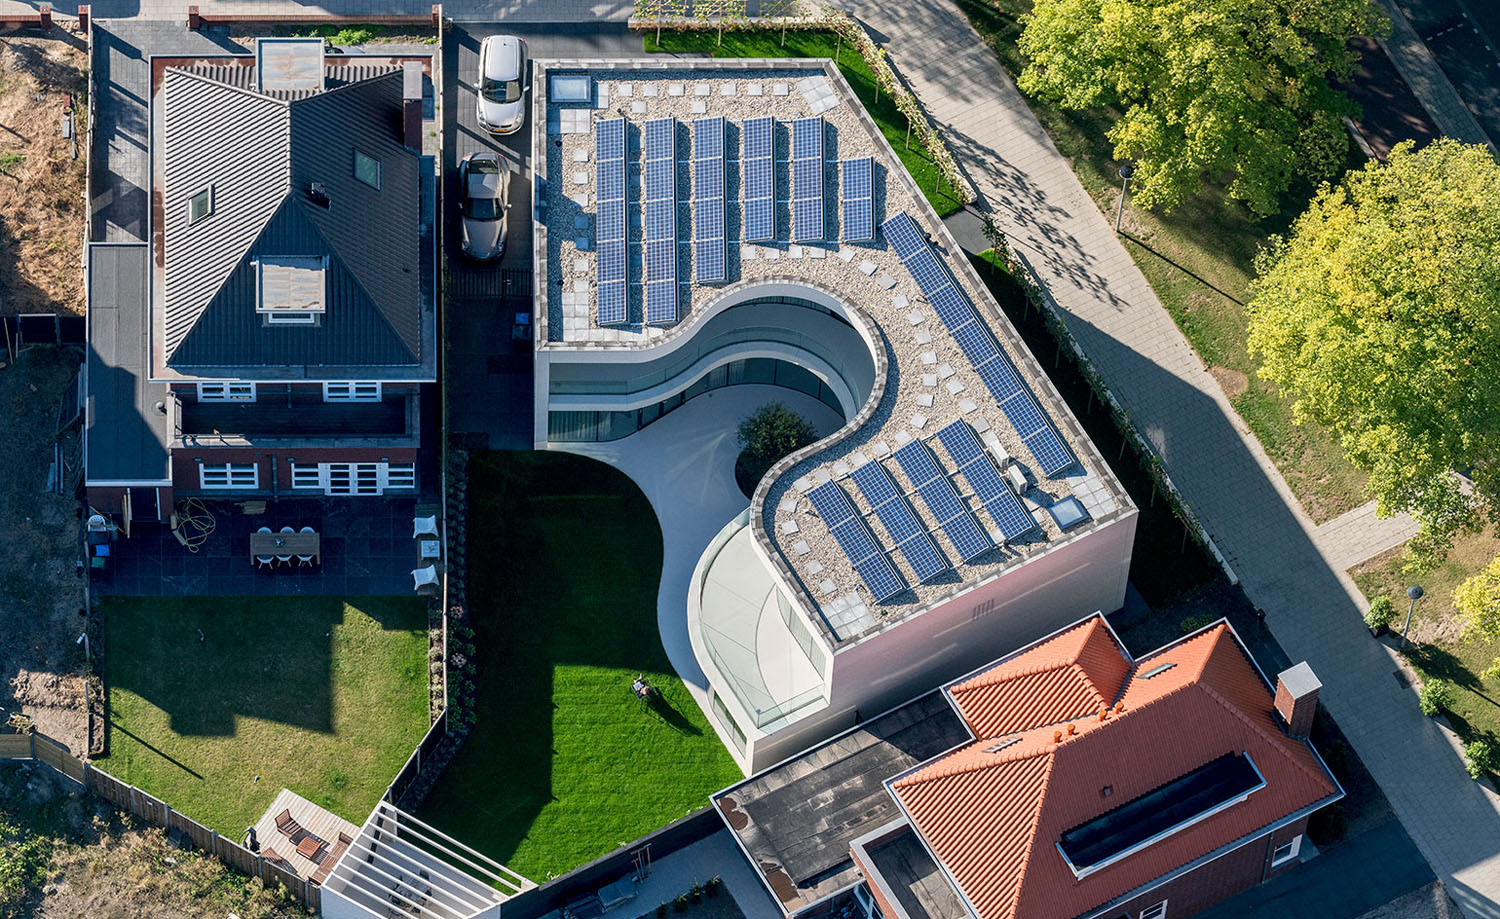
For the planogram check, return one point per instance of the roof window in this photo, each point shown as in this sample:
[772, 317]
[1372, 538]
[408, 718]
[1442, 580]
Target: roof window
[201, 205]
[1158, 670]
[291, 289]
[367, 169]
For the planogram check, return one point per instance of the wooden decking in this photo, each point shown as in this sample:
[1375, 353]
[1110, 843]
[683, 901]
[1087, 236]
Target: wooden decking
[315, 822]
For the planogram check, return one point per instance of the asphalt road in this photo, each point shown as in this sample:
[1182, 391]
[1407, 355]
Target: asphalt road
[1464, 36]
[489, 367]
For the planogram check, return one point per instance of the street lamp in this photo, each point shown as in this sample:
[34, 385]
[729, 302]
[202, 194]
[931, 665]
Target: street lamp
[1126, 171]
[1415, 592]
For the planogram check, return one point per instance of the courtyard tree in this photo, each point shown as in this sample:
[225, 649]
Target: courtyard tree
[1379, 315]
[1232, 91]
[766, 435]
[1477, 600]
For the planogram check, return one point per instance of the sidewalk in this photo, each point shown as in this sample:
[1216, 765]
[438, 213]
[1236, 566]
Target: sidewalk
[1311, 605]
[461, 10]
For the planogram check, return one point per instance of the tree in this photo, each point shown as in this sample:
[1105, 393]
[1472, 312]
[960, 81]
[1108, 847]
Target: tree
[766, 435]
[1225, 90]
[1380, 316]
[1477, 600]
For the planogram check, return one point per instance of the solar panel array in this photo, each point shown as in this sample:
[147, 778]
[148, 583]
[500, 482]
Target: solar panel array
[807, 179]
[849, 529]
[963, 448]
[609, 183]
[942, 500]
[708, 198]
[659, 181]
[757, 140]
[900, 523]
[859, 199]
[952, 306]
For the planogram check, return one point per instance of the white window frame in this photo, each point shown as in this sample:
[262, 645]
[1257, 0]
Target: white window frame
[226, 392]
[194, 197]
[292, 317]
[1159, 911]
[352, 391]
[229, 475]
[1293, 848]
[357, 479]
[358, 154]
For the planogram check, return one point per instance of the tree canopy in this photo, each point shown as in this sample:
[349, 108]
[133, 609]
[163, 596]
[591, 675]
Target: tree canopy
[767, 434]
[1380, 316]
[1234, 91]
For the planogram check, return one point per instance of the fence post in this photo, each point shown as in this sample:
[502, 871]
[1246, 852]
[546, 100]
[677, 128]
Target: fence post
[216, 843]
[133, 811]
[32, 738]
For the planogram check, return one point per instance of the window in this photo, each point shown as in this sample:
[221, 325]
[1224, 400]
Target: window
[291, 289]
[1159, 911]
[351, 392]
[1286, 852]
[353, 478]
[226, 392]
[367, 169]
[229, 475]
[200, 205]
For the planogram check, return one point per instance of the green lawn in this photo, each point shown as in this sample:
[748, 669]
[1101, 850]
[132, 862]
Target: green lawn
[823, 44]
[564, 764]
[324, 696]
[1199, 259]
[1439, 650]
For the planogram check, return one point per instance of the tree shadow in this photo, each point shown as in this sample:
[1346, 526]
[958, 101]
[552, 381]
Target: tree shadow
[1437, 662]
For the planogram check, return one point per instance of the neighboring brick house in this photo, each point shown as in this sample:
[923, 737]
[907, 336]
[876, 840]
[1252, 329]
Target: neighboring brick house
[281, 338]
[1074, 781]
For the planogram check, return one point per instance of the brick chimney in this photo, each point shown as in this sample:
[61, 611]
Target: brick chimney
[411, 105]
[1297, 698]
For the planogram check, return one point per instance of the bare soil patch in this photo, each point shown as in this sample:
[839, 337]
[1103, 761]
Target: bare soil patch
[1231, 381]
[41, 588]
[41, 183]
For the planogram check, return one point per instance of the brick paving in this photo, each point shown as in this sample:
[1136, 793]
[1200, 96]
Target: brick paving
[1311, 605]
[1353, 537]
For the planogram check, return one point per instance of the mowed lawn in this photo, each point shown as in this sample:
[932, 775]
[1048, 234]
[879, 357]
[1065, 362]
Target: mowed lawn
[324, 696]
[564, 763]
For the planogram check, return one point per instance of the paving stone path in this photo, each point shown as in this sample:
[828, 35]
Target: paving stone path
[1289, 567]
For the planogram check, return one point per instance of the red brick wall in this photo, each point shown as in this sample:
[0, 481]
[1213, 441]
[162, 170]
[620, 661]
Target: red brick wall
[876, 891]
[1220, 879]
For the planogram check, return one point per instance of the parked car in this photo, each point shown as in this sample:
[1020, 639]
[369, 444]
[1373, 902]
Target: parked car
[501, 108]
[484, 184]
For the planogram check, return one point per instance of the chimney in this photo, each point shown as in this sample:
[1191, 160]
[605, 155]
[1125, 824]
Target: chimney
[411, 105]
[1297, 698]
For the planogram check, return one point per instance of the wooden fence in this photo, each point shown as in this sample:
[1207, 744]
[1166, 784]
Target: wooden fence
[153, 810]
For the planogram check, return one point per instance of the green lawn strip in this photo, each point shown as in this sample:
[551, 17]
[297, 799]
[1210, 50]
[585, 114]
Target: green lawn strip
[564, 763]
[1438, 650]
[324, 696]
[823, 44]
[1200, 260]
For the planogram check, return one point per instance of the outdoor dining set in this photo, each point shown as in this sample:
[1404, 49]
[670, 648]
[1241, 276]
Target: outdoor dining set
[309, 846]
[272, 549]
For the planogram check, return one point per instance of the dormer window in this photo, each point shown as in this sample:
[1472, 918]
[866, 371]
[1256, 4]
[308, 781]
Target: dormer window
[201, 205]
[291, 290]
[367, 169]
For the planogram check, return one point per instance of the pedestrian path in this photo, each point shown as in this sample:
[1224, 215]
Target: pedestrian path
[1359, 535]
[462, 10]
[1428, 82]
[1311, 605]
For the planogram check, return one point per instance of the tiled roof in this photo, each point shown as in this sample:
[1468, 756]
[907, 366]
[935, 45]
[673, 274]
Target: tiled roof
[993, 812]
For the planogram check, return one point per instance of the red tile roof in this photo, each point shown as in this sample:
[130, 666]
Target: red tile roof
[993, 813]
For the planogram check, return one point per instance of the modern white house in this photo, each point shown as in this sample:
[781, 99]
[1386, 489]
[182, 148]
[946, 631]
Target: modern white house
[703, 225]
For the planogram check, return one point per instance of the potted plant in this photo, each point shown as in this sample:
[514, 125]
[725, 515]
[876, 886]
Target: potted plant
[713, 885]
[1435, 697]
[1479, 757]
[697, 892]
[1380, 615]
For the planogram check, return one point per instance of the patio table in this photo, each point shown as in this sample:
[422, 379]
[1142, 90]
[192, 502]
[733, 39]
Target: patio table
[274, 544]
[309, 847]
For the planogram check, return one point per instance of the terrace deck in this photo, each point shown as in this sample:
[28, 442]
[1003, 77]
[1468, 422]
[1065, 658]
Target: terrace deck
[315, 821]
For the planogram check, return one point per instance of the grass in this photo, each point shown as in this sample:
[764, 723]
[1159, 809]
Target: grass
[824, 45]
[1439, 650]
[564, 763]
[323, 696]
[1200, 260]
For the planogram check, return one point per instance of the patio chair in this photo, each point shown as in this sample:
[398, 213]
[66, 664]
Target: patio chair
[423, 526]
[424, 577]
[306, 559]
[288, 827]
[264, 561]
[285, 559]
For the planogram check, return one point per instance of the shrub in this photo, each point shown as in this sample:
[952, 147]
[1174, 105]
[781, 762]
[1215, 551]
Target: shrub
[1195, 622]
[769, 433]
[1381, 614]
[10, 159]
[353, 35]
[1436, 695]
[1479, 757]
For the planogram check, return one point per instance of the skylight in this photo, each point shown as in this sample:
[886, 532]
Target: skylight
[367, 169]
[1158, 670]
[291, 289]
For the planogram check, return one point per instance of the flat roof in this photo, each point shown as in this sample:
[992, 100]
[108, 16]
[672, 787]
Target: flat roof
[797, 819]
[924, 378]
[912, 877]
[126, 436]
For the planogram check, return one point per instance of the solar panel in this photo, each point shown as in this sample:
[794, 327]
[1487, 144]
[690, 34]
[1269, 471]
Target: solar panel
[659, 180]
[905, 530]
[708, 198]
[974, 340]
[942, 500]
[964, 449]
[757, 142]
[1050, 452]
[849, 531]
[807, 179]
[609, 183]
[902, 233]
[859, 199]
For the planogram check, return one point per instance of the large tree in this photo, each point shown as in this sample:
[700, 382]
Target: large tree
[1380, 316]
[1232, 91]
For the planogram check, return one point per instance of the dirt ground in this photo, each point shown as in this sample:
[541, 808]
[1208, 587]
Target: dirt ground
[41, 589]
[97, 864]
[41, 183]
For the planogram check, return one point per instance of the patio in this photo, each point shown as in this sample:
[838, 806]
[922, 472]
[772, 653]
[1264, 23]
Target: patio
[365, 547]
[318, 840]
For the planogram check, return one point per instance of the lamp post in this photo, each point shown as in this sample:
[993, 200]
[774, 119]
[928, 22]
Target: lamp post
[1126, 171]
[1415, 593]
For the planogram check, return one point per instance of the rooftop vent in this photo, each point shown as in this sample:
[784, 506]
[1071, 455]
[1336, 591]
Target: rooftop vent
[289, 64]
[318, 192]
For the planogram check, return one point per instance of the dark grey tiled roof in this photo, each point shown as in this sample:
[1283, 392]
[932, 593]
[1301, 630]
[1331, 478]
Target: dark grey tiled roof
[261, 155]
